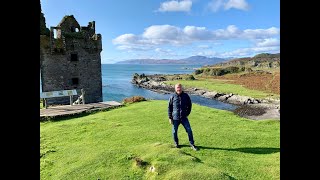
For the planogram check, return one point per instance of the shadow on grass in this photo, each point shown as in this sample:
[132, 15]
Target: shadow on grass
[194, 158]
[251, 150]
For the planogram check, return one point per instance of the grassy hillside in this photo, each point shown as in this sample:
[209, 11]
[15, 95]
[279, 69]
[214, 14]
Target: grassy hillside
[134, 142]
[268, 82]
[223, 86]
[260, 63]
[263, 60]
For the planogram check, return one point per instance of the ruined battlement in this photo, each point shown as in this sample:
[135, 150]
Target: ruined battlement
[68, 34]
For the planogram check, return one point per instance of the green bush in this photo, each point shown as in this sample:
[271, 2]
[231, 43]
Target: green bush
[233, 69]
[190, 77]
[198, 71]
[267, 55]
[207, 70]
[219, 71]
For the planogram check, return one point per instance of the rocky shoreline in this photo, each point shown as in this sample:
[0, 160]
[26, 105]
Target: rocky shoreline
[249, 107]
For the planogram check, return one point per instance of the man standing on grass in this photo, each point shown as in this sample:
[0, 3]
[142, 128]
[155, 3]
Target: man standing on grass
[179, 109]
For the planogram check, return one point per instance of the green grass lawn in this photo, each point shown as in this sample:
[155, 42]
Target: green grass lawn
[106, 145]
[222, 86]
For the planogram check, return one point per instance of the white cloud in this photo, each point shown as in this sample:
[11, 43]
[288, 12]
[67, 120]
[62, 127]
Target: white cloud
[133, 48]
[268, 42]
[161, 33]
[262, 33]
[269, 45]
[172, 35]
[166, 51]
[207, 53]
[216, 5]
[155, 37]
[125, 39]
[250, 51]
[203, 46]
[196, 33]
[184, 5]
[237, 4]
[206, 46]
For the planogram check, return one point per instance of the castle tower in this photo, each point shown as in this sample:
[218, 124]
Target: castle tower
[70, 59]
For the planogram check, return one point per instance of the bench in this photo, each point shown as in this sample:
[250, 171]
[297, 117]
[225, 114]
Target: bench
[62, 93]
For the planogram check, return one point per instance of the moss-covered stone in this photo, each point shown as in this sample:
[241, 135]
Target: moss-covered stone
[77, 35]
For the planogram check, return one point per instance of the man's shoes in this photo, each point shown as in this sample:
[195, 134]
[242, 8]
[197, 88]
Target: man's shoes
[176, 145]
[194, 147]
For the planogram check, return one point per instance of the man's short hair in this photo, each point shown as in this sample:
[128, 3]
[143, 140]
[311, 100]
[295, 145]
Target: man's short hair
[178, 84]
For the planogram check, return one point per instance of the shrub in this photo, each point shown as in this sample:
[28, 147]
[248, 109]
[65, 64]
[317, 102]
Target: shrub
[212, 72]
[198, 71]
[190, 77]
[232, 69]
[267, 55]
[176, 77]
[217, 72]
[222, 72]
[133, 99]
[207, 70]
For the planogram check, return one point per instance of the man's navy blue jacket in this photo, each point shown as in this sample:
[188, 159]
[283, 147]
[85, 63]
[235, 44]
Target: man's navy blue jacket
[179, 106]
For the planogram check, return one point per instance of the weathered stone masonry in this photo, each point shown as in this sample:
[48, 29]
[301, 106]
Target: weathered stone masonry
[70, 59]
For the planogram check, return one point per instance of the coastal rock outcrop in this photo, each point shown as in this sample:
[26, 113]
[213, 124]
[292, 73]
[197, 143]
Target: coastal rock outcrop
[156, 83]
[249, 107]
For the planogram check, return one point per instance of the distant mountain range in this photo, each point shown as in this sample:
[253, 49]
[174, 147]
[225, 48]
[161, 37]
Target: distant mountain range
[201, 60]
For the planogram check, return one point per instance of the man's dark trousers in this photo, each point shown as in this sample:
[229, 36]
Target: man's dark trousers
[186, 125]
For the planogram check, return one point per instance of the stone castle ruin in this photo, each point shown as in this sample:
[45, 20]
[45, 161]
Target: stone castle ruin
[70, 59]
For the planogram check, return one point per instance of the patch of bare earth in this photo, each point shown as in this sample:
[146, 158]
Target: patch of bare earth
[257, 112]
[262, 81]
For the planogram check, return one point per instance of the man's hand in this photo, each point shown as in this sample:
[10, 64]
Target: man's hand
[170, 121]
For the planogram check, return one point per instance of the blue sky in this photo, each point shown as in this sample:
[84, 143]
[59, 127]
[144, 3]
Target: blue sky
[175, 29]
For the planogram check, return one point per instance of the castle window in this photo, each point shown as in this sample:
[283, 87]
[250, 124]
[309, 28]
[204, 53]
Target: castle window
[55, 33]
[75, 81]
[72, 29]
[74, 57]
